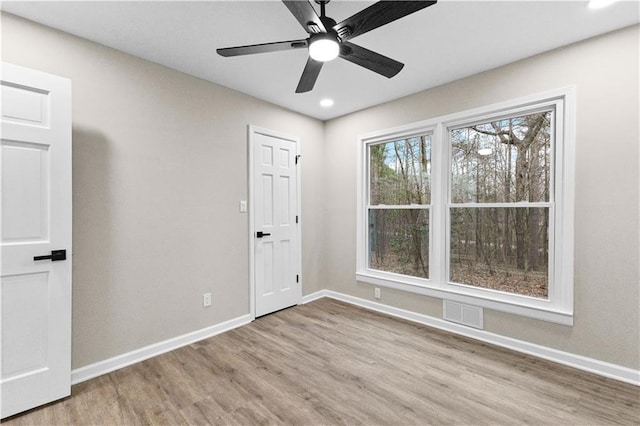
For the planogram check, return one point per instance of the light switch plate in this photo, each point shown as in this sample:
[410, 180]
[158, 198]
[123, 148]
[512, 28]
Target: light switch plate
[243, 206]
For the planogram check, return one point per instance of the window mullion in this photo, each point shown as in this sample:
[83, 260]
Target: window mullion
[438, 213]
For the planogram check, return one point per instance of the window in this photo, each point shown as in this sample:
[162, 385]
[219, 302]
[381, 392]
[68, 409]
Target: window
[398, 211]
[475, 207]
[499, 204]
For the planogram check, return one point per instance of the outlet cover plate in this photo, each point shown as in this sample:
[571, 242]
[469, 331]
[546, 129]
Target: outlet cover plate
[206, 299]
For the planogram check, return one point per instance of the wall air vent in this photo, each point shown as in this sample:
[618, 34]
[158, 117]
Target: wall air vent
[460, 313]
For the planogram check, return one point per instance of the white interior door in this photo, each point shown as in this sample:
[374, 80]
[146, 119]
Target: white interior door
[276, 244]
[35, 295]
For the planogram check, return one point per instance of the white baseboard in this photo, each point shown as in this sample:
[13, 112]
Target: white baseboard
[108, 365]
[613, 371]
[315, 296]
[580, 362]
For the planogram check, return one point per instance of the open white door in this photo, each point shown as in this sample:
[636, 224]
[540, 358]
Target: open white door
[275, 221]
[35, 295]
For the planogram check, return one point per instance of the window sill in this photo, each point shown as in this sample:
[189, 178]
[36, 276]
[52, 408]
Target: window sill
[459, 295]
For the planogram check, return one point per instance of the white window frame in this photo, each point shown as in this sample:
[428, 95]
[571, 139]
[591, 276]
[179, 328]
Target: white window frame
[558, 308]
[410, 133]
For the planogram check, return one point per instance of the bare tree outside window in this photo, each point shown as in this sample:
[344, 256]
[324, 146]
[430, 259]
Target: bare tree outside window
[400, 194]
[475, 205]
[499, 212]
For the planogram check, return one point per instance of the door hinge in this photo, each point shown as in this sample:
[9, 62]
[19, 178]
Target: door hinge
[297, 158]
[297, 278]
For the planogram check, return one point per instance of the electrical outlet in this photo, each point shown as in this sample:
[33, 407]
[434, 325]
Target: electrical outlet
[376, 292]
[206, 299]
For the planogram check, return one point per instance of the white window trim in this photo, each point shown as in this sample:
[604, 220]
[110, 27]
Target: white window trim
[559, 307]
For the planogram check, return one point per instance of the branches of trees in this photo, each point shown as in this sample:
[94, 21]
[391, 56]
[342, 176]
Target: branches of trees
[492, 165]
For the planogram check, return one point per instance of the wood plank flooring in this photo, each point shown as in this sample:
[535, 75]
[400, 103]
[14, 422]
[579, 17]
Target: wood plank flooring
[328, 363]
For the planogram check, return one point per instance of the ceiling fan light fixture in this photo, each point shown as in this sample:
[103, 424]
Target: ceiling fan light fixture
[327, 39]
[324, 47]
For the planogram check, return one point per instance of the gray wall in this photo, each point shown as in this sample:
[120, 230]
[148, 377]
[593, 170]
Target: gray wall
[159, 168]
[160, 164]
[605, 73]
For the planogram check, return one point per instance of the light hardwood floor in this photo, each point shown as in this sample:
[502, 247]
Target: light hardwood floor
[331, 363]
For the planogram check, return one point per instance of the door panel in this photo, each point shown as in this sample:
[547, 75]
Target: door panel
[25, 183]
[24, 104]
[35, 296]
[276, 256]
[24, 300]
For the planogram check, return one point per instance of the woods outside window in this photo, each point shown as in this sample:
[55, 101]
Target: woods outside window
[400, 197]
[475, 207]
[499, 204]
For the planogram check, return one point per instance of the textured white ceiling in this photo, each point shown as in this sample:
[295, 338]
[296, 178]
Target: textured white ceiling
[439, 44]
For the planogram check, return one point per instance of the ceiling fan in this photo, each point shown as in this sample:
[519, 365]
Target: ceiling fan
[328, 39]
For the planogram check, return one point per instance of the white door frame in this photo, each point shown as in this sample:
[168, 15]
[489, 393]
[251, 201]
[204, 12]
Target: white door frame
[252, 131]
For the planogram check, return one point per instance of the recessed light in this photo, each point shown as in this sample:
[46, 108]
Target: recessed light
[326, 103]
[599, 4]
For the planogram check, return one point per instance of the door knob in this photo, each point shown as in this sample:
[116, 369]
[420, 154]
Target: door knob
[261, 234]
[54, 256]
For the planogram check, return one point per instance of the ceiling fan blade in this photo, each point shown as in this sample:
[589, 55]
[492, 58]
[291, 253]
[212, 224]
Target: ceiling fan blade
[377, 15]
[309, 75]
[262, 48]
[371, 60]
[306, 15]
